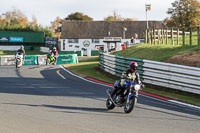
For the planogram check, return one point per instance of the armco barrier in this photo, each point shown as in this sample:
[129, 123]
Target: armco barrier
[173, 76]
[117, 64]
[168, 75]
[67, 59]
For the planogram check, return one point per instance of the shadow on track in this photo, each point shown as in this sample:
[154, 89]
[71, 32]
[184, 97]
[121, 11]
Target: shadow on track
[54, 85]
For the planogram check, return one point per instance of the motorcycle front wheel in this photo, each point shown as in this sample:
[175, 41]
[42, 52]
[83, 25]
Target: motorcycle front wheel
[129, 106]
[109, 104]
[16, 64]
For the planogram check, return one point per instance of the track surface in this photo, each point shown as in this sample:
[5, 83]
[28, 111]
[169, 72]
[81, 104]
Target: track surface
[47, 99]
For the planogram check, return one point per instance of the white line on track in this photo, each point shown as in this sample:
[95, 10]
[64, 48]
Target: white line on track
[169, 101]
[58, 72]
[83, 78]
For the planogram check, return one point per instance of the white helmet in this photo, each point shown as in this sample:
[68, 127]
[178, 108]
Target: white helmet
[54, 48]
[22, 47]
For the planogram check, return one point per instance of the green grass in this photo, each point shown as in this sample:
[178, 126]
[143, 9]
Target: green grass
[172, 95]
[27, 53]
[89, 69]
[90, 59]
[156, 52]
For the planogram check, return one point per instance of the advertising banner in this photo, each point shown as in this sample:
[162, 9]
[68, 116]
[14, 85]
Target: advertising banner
[4, 39]
[67, 59]
[31, 60]
[16, 39]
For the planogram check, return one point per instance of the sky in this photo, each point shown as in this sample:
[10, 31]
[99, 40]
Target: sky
[47, 10]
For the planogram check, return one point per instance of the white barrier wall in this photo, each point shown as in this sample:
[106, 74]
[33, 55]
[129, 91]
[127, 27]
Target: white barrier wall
[9, 48]
[42, 59]
[44, 49]
[7, 60]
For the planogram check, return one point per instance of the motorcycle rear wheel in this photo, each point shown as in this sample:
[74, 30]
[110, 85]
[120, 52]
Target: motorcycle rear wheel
[47, 62]
[130, 105]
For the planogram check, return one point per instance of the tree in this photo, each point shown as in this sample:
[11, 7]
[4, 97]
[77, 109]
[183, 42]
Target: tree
[118, 17]
[55, 27]
[34, 22]
[130, 19]
[78, 16]
[15, 20]
[185, 13]
[115, 17]
[168, 22]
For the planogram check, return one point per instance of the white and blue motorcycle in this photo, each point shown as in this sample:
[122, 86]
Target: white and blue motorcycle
[126, 95]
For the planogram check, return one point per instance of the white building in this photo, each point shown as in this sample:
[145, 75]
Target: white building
[102, 35]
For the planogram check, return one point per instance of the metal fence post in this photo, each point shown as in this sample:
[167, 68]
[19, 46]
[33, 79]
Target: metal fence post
[166, 36]
[183, 32]
[172, 36]
[190, 36]
[178, 36]
[198, 37]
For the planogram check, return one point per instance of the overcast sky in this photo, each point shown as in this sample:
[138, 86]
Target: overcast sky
[47, 10]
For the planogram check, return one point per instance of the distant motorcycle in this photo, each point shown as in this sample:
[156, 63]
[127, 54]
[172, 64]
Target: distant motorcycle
[125, 96]
[50, 59]
[19, 59]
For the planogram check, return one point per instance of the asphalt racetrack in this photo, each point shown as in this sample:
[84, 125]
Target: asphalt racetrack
[47, 99]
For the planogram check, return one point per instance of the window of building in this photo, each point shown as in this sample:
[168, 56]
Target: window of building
[72, 40]
[95, 41]
[70, 46]
[63, 44]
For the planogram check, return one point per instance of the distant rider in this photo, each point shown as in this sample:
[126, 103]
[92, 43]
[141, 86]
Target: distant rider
[55, 52]
[131, 74]
[21, 50]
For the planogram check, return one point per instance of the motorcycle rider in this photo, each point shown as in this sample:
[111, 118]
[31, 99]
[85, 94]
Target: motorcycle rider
[55, 52]
[21, 50]
[130, 73]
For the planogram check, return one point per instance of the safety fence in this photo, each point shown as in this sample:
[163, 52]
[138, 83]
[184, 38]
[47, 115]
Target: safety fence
[184, 78]
[6, 60]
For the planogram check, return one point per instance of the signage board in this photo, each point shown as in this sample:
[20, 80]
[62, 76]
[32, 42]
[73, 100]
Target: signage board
[51, 41]
[4, 39]
[112, 39]
[16, 39]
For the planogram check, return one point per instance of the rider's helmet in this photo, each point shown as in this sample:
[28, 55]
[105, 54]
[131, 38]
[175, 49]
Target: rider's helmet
[22, 47]
[133, 66]
[54, 48]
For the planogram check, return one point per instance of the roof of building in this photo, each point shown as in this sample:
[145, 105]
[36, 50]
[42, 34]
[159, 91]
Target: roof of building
[101, 29]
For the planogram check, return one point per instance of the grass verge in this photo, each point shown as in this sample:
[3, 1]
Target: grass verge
[156, 52]
[90, 69]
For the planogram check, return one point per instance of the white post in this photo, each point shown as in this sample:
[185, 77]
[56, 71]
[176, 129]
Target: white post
[148, 8]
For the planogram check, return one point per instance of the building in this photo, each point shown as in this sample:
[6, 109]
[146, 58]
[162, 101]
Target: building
[102, 35]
